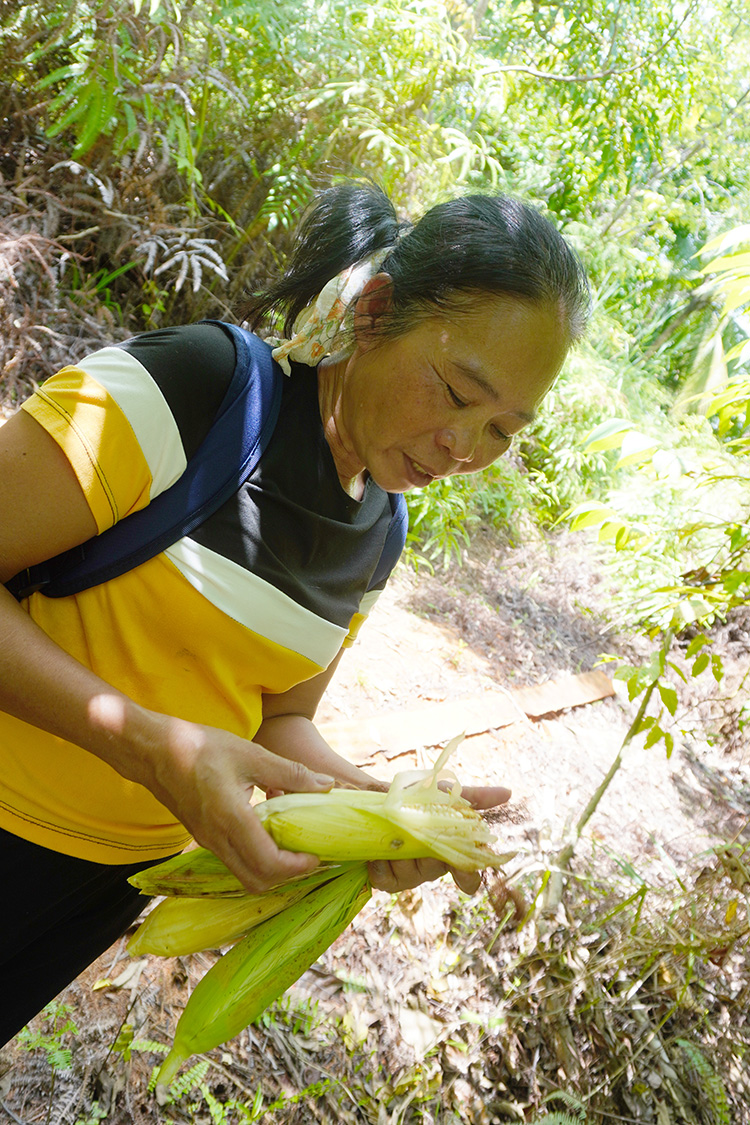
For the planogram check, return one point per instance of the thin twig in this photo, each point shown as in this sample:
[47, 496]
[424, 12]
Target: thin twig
[13, 1116]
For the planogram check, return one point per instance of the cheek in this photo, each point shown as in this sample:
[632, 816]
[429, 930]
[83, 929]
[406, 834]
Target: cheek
[488, 453]
[411, 414]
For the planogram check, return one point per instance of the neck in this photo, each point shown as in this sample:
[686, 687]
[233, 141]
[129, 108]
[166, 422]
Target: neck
[331, 378]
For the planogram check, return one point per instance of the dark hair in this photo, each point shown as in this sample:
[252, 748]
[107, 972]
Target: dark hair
[464, 248]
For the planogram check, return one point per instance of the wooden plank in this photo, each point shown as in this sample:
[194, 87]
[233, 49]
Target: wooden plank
[568, 691]
[399, 731]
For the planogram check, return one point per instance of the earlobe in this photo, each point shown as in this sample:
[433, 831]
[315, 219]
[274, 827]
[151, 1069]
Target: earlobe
[373, 305]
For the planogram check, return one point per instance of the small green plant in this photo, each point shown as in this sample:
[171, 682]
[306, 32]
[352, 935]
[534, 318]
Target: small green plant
[95, 1114]
[558, 1118]
[702, 1075]
[51, 1036]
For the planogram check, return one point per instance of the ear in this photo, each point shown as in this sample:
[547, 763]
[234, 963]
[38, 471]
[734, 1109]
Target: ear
[373, 306]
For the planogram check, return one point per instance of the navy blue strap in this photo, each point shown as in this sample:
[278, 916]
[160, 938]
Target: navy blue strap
[395, 541]
[225, 459]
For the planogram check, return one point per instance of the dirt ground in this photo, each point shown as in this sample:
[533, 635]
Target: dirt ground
[510, 617]
[514, 617]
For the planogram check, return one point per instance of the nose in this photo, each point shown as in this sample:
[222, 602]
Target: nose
[460, 444]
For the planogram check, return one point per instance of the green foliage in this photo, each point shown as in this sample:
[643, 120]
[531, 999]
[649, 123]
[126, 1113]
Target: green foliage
[681, 530]
[182, 141]
[95, 1114]
[440, 521]
[558, 1119]
[684, 517]
[702, 1075]
[51, 1036]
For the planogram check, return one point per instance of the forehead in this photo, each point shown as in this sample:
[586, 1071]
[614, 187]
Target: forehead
[498, 338]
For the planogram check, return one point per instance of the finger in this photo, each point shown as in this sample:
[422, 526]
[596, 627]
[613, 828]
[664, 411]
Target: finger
[270, 771]
[251, 854]
[404, 874]
[486, 796]
[281, 868]
[467, 881]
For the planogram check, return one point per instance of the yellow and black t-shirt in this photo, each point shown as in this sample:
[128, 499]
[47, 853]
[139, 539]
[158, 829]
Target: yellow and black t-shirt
[259, 598]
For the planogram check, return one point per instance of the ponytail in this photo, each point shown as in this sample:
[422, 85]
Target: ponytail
[343, 225]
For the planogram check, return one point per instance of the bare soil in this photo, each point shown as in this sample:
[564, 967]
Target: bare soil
[517, 616]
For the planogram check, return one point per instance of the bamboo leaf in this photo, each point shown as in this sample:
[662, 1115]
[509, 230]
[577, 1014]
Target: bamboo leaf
[668, 698]
[607, 435]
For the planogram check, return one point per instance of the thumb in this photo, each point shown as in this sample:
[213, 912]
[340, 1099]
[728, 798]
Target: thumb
[271, 772]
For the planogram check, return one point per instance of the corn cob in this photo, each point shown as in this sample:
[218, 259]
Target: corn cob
[360, 826]
[415, 819]
[180, 925]
[257, 970]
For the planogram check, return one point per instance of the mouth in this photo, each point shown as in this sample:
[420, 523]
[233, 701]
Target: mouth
[417, 474]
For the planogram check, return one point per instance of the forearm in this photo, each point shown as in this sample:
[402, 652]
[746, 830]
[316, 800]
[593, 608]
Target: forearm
[297, 738]
[43, 685]
[204, 775]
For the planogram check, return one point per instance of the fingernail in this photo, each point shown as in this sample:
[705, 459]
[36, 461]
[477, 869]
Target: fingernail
[323, 780]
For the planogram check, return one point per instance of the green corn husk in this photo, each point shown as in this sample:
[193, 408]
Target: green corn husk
[360, 826]
[195, 873]
[182, 925]
[257, 970]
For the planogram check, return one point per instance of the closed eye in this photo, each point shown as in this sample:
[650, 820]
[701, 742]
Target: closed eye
[455, 399]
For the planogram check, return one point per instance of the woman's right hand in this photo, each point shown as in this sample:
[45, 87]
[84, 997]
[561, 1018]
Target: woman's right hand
[205, 777]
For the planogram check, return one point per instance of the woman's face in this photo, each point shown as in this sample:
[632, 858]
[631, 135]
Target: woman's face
[447, 396]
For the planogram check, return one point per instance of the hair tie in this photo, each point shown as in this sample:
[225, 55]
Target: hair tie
[328, 317]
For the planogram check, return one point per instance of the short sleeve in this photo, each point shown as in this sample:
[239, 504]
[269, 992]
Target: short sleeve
[113, 424]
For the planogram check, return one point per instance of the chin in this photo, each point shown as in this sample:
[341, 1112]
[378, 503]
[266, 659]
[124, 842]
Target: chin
[390, 485]
[391, 475]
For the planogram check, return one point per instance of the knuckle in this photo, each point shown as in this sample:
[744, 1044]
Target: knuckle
[382, 876]
[298, 774]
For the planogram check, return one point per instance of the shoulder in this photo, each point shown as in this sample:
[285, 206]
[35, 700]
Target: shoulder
[192, 365]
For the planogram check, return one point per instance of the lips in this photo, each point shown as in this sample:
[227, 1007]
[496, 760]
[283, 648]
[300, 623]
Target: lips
[419, 476]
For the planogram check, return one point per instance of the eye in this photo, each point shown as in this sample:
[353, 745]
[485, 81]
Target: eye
[455, 399]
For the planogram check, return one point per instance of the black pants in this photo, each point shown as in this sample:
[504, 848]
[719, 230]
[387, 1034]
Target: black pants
[60, 915]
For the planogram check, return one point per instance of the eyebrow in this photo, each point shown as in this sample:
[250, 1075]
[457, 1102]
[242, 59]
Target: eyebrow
[475, 375]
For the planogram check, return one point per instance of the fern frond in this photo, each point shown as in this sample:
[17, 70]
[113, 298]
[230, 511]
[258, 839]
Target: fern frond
[705, 1079]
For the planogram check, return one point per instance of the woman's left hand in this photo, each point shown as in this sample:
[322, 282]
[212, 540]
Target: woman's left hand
[403, 874]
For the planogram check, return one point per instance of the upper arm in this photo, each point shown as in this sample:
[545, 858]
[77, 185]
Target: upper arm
[302, 699]
[43, 509]
[103, 437]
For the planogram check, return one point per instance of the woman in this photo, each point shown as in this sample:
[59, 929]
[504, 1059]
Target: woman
[141, 713]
